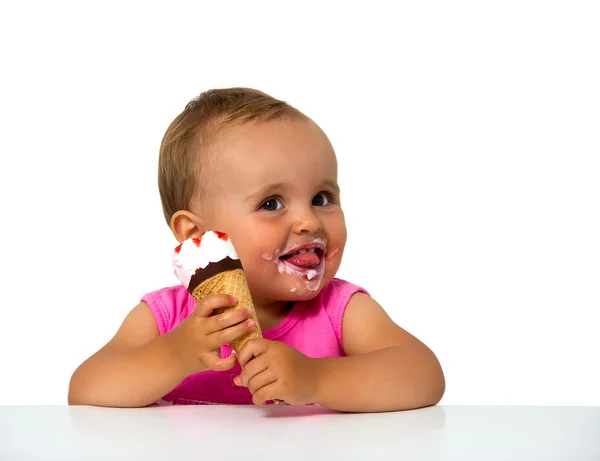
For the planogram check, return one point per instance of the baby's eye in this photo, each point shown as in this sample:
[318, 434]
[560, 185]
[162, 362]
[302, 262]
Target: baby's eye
[321, 199]
[272, 204]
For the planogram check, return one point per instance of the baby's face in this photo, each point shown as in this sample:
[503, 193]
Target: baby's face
[277, 197]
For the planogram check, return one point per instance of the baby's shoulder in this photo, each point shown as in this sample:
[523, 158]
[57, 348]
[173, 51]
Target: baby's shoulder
[336, 295]
[329, 306]
[340, 291]
[169, 305]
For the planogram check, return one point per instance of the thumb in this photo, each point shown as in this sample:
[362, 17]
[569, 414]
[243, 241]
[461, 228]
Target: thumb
[219, 364]
[253, 348]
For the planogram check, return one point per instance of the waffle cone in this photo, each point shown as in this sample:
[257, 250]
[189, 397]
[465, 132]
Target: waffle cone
[231, 283]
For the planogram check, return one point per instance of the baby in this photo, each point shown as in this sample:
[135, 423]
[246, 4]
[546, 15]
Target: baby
[242, 162]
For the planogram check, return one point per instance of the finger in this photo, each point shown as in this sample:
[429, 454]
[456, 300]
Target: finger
[253, 368]
[219, 338]
[251, 349]
[205, 306]
[227, 319]
[257, 382]
[269, 392]
[219, 364]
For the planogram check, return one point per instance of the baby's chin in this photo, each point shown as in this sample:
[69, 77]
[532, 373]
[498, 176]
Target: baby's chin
[288, 289]
[301, 289]
[295, 294]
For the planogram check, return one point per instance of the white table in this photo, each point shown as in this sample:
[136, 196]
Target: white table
[282, 432]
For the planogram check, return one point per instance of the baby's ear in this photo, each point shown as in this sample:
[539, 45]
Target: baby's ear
[185, 224]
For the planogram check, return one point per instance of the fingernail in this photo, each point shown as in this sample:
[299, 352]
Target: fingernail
[251, 323]
[248, 310]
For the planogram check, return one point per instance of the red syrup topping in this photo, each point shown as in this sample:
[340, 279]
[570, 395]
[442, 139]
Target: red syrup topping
[222, 235]
[196, 240]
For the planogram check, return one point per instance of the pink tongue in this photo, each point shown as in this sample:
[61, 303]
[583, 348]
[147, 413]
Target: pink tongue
[308, 259]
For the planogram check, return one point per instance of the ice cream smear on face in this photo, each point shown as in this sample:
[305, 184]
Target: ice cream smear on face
[304, 261]
[195, 254]
[308, 256]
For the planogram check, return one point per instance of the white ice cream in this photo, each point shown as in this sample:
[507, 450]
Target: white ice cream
[194, 254]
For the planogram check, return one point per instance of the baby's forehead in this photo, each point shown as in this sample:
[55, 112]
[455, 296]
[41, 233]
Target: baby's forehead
[279, 136]
[282, 150]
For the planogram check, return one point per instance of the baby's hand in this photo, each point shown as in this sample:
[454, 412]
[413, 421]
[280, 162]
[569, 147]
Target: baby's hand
[273, 370]
[199, 337]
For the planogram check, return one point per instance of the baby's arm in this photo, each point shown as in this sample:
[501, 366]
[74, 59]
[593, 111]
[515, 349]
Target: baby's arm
[386, 369]
[138, 366]
[134, 369]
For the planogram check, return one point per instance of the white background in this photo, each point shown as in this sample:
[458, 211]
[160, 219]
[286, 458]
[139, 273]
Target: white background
[468, 137]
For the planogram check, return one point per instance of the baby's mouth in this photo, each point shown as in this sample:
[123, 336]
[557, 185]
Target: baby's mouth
[305, 257]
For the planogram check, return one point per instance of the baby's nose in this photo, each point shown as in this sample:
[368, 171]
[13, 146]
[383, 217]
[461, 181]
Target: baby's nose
[307, 222]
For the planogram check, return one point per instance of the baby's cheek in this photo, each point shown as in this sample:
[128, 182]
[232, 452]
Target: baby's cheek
[258, 263]
[335, 250]
[333, 264]
[247, 251]
[337, 234]
[335, 246]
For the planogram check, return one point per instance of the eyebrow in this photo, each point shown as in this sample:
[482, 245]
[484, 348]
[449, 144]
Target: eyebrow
[333, 184]
[270, 189]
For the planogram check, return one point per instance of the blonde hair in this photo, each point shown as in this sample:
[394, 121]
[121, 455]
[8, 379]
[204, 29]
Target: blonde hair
[184, 163]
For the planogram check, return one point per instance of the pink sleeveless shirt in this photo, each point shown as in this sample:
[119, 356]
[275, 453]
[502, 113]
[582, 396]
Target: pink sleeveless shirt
[312, 327]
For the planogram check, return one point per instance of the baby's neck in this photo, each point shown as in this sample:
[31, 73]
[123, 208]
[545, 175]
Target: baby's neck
[272, 314]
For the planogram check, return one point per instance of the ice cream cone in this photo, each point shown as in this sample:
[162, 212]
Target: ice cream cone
[210, 265]
[231, 282]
